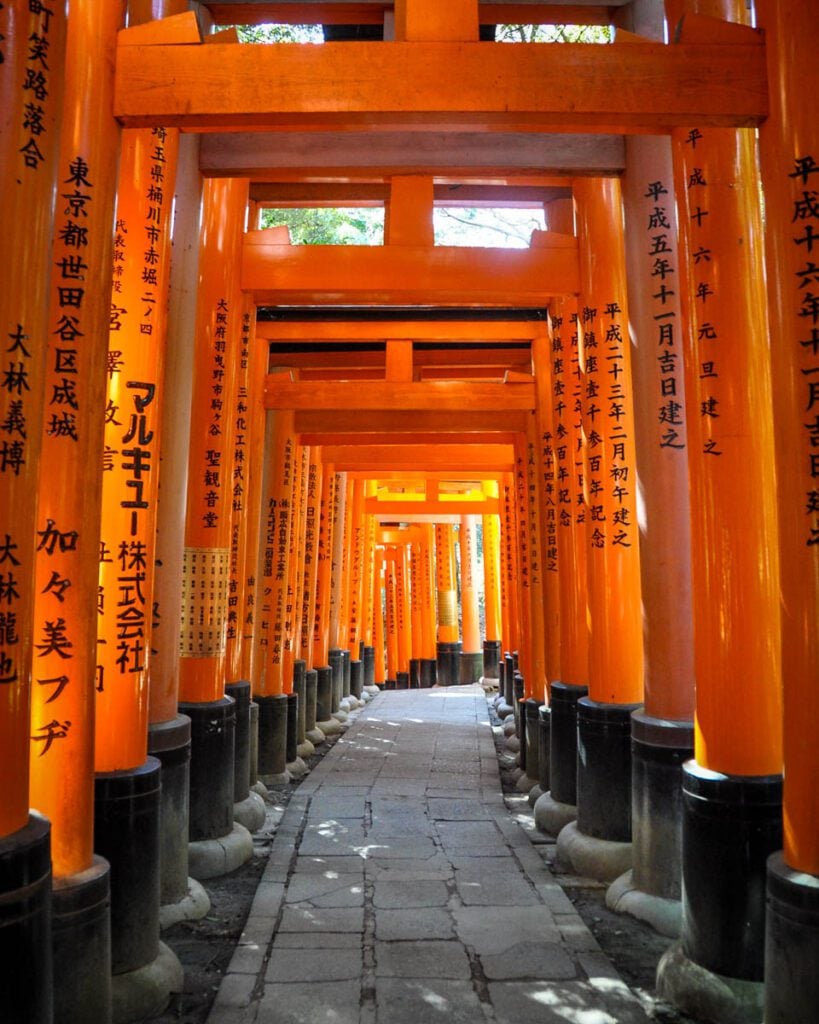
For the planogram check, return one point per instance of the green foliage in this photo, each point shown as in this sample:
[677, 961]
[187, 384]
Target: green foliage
[329, 225]
[280, 33]
[553, 34]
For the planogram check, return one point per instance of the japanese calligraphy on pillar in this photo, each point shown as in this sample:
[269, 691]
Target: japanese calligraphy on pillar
[239, 474]
[557, 451]
[578, 464]
[141, 264]
[661, 266]
[706, 321]
[36, 84]
[804, 182]
[312, 519]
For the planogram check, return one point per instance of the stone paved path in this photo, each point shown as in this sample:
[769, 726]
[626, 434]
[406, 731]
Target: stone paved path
[400, 891]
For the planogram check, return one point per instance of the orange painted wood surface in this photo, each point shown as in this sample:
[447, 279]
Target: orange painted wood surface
[407, 274]
[789, 150]
[432, 396]
[441, 85]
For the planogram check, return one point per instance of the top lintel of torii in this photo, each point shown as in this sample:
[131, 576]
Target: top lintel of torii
[713, 75]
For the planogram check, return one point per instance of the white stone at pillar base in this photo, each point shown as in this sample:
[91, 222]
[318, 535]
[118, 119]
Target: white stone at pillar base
[250, 812]
[145, 992]
[551, 816]
[664, 915]
[211, 858]
[601, 859]
[705, 995]
[193, 906]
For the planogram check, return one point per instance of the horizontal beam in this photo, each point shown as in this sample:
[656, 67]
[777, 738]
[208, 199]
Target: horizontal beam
[371, 12]
[286, 194]
[481, 422]
[430, 510]
[442, 86]
[357, 154]
[416, 330]
[388, 458]
[451, 397]
[406, 275]
[398, 440]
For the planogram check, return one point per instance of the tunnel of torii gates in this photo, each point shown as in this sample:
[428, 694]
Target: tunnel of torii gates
[233, 468]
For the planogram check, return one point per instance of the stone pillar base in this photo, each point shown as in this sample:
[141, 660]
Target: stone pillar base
[552, 816]
[145, 992]
[791, 945]
[705, 995]
[664, 916]
[193, 906]
[601, 859]
[297, 769]
[316, 736]
[535, 793]
[81, 926]
[250, 812]
[212, 858]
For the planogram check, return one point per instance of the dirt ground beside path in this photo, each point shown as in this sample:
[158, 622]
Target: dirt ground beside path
[206, 947]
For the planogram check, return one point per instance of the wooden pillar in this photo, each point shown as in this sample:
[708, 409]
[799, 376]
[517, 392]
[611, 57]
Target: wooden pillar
[416, 609]
[391, 616]
[356, 569]
[429, 615]
[472, 655]
[337, 578]
[312, 523]
[789, 143]
[430, 20]
[547, 364]
[62, 768]
[735, 587]
[615, 655]
[491, 585]
[378, 609]
[206, 566]
[295, 566]
[32, 46]
[321, 631]
[509, 588]
[448, 645]
[662, 732]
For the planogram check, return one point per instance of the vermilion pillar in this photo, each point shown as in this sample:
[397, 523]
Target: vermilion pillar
[206, 567]
[735, 586]
[63, 697]
[509, 589]
[448, 646]
[295, 566]
[416, 610]
[790, 174]
[367, 652]
[490, 525]
[321, 632]
[379, 663]
[472, 655]
[32, 46]
[403, 617]
[615, 655]
[662, 732]
[429, 665]
[274, 563]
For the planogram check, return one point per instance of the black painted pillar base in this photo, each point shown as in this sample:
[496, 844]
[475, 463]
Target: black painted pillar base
[518, 689]
[311, 732]
[240, 692]
[126, 834]
[448, 659]
[336, 661]
[300, 689]
[170, 743]
[530, 740]
[273, 739]
[658, 750]
[357, 679]
[791, 945]
[470, 668]
[491, 657]
[429, 673]
[25, 924]
[82, 945]
[563, 698]
[345, 673]
[390, 684]
[604, 770]
[213, 737]
[509, 679]
[415, 673]
[325, 696]
[368, 661]
[731, 825]
[544, 747]
[402, 680]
